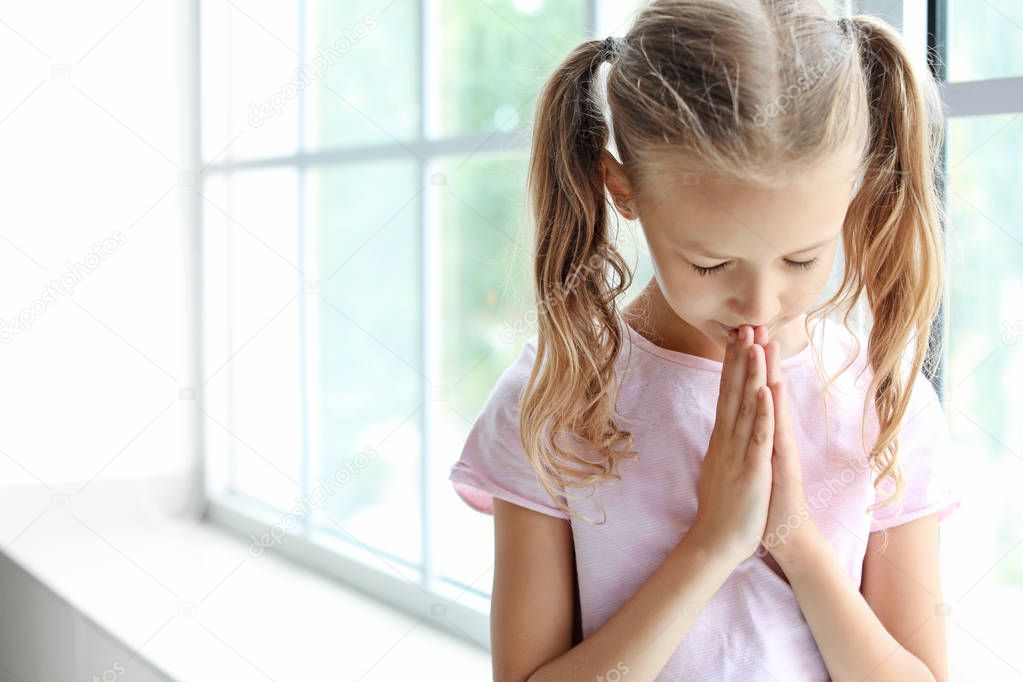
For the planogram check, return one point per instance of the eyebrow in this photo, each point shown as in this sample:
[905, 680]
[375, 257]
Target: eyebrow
[703, 251]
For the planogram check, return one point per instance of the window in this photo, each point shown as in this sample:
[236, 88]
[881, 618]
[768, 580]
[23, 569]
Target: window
[979, 44]
[984, 39]
[365, 245]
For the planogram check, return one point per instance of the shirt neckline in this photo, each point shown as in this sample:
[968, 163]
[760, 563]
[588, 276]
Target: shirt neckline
[696, 361]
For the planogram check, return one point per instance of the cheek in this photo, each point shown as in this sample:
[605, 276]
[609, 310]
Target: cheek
[688, 294]
[676, 275]
[811, 285]
[817, 279]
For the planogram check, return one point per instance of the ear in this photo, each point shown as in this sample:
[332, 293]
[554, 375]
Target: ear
[612, 174]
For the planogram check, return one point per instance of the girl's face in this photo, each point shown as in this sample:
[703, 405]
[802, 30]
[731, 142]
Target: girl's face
[726, 254]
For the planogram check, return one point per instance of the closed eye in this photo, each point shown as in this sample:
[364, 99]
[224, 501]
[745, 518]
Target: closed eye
[798, 265]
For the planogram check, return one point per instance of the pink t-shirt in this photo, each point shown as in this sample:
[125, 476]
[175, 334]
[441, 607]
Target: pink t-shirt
[752, 628]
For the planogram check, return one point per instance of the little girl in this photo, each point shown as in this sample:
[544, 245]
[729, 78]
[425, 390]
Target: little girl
[719, 481]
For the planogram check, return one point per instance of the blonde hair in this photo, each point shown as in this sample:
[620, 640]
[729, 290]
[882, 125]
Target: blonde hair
[747, 90]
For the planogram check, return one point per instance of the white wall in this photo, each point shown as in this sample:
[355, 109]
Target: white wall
[92, 139]
[43, 638]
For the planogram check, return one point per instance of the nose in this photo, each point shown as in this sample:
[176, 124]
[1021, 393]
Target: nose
[759, 305]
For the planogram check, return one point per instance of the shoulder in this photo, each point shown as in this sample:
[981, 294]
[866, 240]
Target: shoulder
[842, 346]
[501, 409]
[493, 462]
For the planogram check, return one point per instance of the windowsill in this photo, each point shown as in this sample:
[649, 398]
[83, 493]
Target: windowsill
[196, 604]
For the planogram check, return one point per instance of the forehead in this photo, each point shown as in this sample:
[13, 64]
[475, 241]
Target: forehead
[727, 218]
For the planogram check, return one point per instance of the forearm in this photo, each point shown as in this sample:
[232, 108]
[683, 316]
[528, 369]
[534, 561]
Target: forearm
[646, 631]
[838, 616]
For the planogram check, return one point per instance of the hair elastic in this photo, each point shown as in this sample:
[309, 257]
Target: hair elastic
[608, 49]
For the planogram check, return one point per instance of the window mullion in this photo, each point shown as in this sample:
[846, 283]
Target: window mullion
[429, 325]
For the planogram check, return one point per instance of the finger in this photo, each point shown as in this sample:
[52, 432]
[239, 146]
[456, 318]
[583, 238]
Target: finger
[777, 398]
[733, 378]
[776, 382]
[761, 441]
[755, 378]
[783, 422]
[786, 458]
[761, 336]
[773, 363]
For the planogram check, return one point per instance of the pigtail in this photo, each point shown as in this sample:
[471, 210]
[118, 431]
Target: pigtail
[895, 229]
[578, 275]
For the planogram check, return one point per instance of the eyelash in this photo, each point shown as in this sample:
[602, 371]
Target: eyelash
[799, 265]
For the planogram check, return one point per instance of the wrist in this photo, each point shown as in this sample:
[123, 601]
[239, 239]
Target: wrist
[800, 550]
[711, 546]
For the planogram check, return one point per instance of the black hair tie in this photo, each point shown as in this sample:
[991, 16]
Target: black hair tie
[609, 48]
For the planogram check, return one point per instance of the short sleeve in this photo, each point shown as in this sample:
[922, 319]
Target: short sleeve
[493, 462]
[925, 461]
